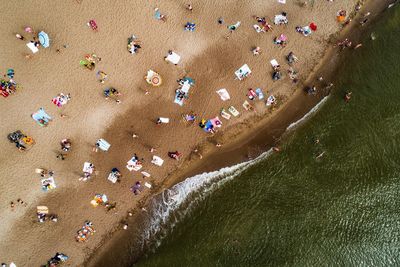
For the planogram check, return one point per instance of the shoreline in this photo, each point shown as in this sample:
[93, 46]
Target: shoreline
[246, 144]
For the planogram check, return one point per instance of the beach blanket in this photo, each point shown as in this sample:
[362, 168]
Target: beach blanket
[223, 94]
[243, 72]
[208, 126]
[60, 100]
[260, 93]
[306, 30]
[133, 164]
[112, 177]
[145, 174]
[216, 122]
[32, 47]
[225, 114]
[173, 57]
[258, 28]
[48, 184]
[178, 98]
[282, 1]
[103, 144]
[247, 105]
[271, 100]
[146, 184]
[280, 19]
[157, 161]
[42, 209]
[41, 115]
[164, 120]
[233, 111]
[274, 63]
[88, 167]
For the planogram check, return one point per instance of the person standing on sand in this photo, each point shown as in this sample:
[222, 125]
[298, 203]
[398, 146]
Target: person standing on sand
[189, 7]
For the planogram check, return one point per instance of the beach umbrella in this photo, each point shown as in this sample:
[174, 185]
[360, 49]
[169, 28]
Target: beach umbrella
[28, 29]
[313, 26]
[44, 39]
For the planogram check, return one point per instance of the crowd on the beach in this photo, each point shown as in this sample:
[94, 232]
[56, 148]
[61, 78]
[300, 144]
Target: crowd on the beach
[212, 125]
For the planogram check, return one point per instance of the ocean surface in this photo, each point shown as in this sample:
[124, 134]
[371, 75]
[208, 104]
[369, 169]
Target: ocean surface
[331, 203]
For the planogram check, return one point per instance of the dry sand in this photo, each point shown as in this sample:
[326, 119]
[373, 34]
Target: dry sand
[206, 56]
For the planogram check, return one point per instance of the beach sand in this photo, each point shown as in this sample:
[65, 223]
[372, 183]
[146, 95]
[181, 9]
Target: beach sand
[207, 57]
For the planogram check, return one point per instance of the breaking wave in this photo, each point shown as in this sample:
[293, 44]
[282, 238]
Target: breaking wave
[309, 114]
[172, 205]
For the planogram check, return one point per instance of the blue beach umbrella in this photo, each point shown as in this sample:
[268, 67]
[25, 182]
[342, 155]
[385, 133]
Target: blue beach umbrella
[44, 39]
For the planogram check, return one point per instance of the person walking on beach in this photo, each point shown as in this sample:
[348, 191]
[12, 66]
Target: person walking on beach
[189, 7]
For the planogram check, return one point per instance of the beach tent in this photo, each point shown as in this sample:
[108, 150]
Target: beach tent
[223, 94]
[157, 161]
[41, 117]
[103, 144]
[32, 47]
[44, 39]
[243, 72]
[153, 78]
[173, 57]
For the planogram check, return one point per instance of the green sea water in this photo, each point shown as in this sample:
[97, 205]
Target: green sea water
[293, 209]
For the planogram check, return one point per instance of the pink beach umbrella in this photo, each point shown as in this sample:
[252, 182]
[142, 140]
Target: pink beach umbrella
[28, 29]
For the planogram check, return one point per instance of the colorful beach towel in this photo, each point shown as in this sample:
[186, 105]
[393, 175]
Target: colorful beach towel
[41, 117]
[225, 114]
[260, 93]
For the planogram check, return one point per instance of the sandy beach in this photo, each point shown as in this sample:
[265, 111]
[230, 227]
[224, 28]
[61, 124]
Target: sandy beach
[207, 57]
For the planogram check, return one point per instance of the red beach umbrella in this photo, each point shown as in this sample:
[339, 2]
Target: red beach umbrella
[313, 26]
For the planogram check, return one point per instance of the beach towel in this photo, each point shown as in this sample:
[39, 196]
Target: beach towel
[32, 47]
[223, 94]
[225, 114]
[260, 93]
[274, 63]
[88, 167]
[282, 1]
[164, 120]
[258, 28]
[112, 177]
[306, 30]
[208, 126]
[186, 87]
[146, 184]
[153, 78]
[41, 115]
[233, 111]
[103, 144]
[42, 209]
[178, 99]
[145, 174]
[60, 100]
[133, 164]
[157, 161]
[216, 122]
[280, 19]
[48, 184]
[247, 105]
[271, 100]
[243, 72]
[173, 57]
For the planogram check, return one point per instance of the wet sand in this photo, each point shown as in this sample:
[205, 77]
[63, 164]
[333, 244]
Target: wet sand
[207, 57]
